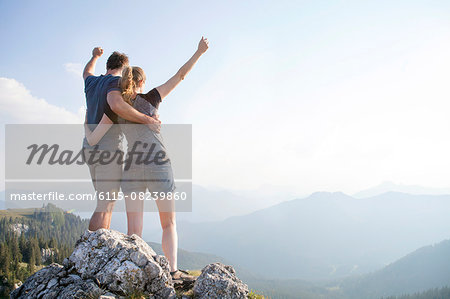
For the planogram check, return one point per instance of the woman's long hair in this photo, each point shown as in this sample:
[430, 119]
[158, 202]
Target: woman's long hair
[131, 78]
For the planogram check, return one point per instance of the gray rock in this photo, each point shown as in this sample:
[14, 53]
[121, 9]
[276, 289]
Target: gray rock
[109, 264]
[17, 285]
[45, 284]
[108, 295]
[103, 263]
[121, 263]
[80, 289]
[219, 281]
[36, 284]
[52, 282]
[19, 228]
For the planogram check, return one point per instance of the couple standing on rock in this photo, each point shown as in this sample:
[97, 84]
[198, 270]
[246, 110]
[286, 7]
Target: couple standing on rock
[115, 101]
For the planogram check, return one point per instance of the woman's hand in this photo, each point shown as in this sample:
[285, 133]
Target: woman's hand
[203, 45]
[167, 87]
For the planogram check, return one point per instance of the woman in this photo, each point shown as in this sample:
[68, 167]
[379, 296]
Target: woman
[153, 177]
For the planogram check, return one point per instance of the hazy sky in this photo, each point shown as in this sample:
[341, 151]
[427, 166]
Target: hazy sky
[316, 95]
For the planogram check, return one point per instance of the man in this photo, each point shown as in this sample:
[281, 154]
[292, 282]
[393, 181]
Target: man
[103, 96]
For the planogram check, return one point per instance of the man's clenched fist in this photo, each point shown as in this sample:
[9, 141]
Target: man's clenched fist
[97, 52]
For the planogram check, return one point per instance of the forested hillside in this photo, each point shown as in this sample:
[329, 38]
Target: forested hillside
[442, 293]
[421, 270]
[30, 238]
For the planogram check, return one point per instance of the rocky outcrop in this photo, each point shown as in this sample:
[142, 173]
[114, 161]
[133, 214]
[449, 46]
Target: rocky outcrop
[103, 261]
[109, 264]
[47, 254]
[219, 281]
[19, 228]
[54, 281]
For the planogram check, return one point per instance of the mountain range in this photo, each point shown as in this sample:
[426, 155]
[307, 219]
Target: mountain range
[426, 269]
[323, 236]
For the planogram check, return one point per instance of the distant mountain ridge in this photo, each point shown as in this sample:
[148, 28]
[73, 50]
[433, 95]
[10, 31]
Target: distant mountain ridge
[325, 235]
[423, 274]
[423, 269]
[392, 187]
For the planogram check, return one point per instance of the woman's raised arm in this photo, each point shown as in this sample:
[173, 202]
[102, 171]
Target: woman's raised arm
[167, 87]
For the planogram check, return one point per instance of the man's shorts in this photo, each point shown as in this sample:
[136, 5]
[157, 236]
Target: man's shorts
[105, 177]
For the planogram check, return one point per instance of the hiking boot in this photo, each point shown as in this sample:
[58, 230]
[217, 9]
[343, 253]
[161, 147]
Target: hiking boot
[182, 281]
[181, 275]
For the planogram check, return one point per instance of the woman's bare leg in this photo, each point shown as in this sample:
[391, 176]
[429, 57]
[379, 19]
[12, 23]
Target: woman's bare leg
[135, 223]
[135, 216]
[169, 236]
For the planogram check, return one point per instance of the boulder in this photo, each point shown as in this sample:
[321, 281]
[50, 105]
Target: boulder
[219, 281]
[52, 282]
[104, 261]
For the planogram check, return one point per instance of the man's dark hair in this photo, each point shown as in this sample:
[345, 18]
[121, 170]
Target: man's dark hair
[117, 60]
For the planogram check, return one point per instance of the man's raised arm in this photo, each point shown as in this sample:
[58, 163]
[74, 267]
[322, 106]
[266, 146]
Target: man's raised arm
[89, 69]
[127, 112]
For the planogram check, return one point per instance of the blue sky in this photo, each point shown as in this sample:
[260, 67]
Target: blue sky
[315, 95]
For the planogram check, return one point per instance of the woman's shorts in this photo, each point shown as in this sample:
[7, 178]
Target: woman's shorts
[153, 179]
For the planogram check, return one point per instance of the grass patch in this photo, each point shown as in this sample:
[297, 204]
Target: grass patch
[17, 213]
[189, 294]
[253, 295]
[195, 272]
